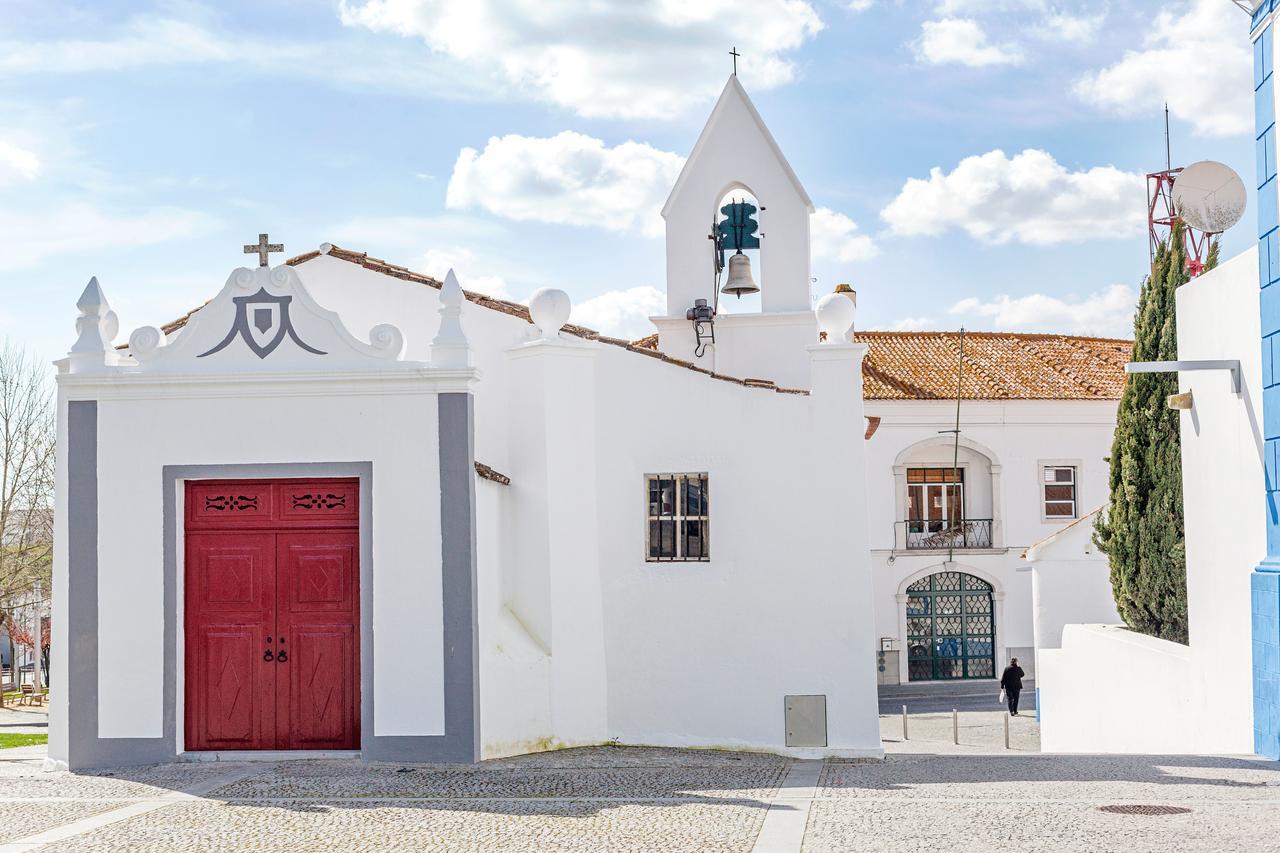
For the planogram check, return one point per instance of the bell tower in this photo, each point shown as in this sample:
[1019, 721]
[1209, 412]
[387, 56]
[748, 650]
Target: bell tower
[737, 222]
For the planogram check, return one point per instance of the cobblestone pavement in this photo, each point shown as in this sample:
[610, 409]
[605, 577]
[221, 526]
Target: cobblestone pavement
[980, 732]
[651, 799]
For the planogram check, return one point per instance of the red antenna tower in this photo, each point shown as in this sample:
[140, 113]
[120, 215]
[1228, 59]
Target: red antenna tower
[1162, 213]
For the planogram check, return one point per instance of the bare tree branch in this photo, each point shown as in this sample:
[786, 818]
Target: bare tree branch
[27, 440]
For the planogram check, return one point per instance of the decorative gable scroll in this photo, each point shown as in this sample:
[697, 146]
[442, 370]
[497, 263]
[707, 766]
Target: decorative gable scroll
[264, 319]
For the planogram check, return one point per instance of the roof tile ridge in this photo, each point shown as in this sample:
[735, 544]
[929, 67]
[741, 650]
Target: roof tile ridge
[911, 390]
[1059, 369]
[1002, 390]
[1104, 355]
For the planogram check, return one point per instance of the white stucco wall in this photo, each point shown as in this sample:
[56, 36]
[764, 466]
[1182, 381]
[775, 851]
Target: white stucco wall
[703, 653]
[138, 437]
[689, 653]
[515, 711]
[1202, 690]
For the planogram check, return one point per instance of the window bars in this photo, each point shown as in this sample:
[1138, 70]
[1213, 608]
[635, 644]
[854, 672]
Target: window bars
[678, 520]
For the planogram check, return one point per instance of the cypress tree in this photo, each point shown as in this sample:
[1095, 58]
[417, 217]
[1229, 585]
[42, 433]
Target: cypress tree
[1141, 531]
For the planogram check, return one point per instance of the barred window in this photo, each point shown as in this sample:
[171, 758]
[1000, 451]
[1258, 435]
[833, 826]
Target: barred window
[678, 519]
[1059, 491]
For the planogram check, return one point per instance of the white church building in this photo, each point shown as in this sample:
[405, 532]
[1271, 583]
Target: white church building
[348, 508]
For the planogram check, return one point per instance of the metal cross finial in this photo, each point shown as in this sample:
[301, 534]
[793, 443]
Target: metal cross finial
[262, 249]
[734, 53]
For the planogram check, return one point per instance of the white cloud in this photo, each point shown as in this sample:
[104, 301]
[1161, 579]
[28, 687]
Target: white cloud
[966, 7]
[962, 41]
[1030, 198]
[859, 5]
[17, 163]
[143, 42]
[1077, 28]
[438, 261]
[440, 243]
[147, 42]
[834, 235]
[1107, 313]
[1194, 59]
[569, 178]
[640, 59]
[574, 179]
[911, 324]
[34, 235]
[411, 233]
[621, 313]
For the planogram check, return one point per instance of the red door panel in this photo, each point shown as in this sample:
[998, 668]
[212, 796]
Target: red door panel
[230, 585]
[272, 622]
[317, 699]
[316, 689]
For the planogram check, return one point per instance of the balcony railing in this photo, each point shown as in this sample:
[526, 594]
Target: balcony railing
[961, 533]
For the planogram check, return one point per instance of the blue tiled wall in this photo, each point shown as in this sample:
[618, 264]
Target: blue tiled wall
[1265, 583]
[1265, 591]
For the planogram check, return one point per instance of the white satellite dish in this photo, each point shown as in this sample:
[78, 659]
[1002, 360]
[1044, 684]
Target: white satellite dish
[1209, 196]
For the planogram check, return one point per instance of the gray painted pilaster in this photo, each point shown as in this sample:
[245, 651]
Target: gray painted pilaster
[461, 740]
[84, 747]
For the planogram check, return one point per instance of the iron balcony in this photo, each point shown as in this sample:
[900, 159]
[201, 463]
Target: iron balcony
[943, 534]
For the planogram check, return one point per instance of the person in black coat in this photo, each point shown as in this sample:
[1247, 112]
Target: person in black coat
[1011, 683]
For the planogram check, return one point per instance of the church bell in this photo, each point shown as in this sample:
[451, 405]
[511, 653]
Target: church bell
[740, 283]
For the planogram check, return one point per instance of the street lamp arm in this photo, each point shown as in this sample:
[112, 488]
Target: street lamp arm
[1231, 364]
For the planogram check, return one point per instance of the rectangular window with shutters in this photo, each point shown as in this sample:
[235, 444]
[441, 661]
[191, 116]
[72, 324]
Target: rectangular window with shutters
[1059, 491]
[677, 524]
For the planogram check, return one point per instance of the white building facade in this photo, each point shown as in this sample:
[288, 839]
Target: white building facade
[352, 510]
[949, 521]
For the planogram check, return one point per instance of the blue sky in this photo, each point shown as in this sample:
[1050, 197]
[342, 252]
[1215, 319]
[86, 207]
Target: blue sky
[975, 162]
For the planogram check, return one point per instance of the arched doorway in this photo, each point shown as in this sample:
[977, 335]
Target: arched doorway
[950, 628]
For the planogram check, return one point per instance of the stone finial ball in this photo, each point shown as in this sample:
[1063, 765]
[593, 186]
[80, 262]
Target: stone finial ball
[549, 309]
[835, 313]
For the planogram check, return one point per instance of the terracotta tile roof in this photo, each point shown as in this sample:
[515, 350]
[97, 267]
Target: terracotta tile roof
[998, 366]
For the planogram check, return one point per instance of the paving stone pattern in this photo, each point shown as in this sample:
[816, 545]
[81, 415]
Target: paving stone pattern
[656, 799]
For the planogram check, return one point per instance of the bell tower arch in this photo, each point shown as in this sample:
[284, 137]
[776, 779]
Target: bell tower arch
[738, 186]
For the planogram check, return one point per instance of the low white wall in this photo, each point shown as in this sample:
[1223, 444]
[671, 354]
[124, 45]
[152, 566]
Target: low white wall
[1110, 690]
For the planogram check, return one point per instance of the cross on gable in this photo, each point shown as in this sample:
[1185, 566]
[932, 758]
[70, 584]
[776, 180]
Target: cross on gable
[262, 249]
[734, 53]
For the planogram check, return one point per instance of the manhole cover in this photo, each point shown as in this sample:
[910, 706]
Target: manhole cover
[1144, 810]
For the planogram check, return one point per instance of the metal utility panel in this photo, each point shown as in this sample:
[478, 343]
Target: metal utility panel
[806, 720]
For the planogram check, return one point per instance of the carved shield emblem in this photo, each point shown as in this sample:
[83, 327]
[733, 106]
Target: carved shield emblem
[263, 321]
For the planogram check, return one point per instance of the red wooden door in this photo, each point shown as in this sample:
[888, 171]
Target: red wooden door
[272, 615]
[231, 615]
[317, 617]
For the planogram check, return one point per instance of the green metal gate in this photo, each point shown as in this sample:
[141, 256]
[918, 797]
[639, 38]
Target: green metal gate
[950, 628]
